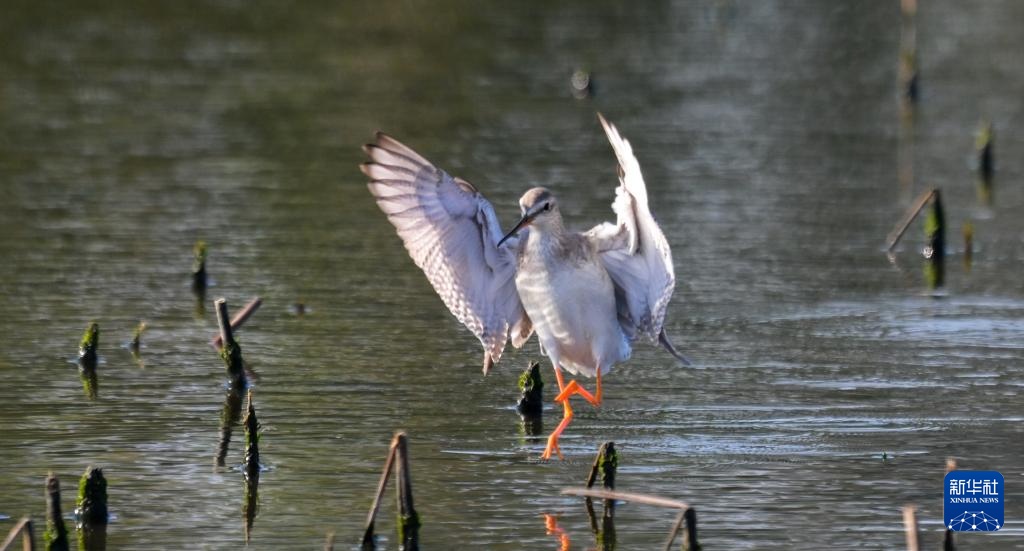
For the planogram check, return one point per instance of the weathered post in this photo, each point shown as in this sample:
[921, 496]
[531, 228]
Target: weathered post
[199, 278]
[230, 352]
[252, 466]
[984, 144]
[23, 529]
[408, 519]
[136, 343]
[606, 463]
[92, 510]
[87, 357]
[690, 535]
[935, 235]
[531, 400]
[55, 537]
[252, 438]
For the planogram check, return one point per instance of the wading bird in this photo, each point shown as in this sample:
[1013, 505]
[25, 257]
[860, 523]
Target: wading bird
[588, 296]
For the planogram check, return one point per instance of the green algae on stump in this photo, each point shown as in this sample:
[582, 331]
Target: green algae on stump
[531, 402]
[136, 341]
[606, 463]
[935, 235]
[230, 352]
[92, 498]
[199, 279]
[252, 439]
[88, 345]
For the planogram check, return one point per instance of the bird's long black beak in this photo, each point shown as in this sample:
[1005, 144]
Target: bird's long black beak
[525, 221]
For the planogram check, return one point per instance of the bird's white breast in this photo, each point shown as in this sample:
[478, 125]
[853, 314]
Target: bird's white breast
[570, 299]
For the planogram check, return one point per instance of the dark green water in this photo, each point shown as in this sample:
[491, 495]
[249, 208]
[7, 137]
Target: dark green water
[768, 133]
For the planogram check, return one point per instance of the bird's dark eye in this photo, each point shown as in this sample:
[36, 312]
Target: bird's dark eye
[547, 206]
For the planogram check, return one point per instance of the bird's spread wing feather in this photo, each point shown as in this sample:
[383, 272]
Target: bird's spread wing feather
[635, 251]
[451, 232]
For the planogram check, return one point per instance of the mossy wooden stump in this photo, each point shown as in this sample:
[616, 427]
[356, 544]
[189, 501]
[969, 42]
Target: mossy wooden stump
[136, 343]
[935, 249]
[531, 399]
[408, 519]
[230, 351]
[92, 498]
[252, 467]
[92, 510]
[606, 464]
[199, 278]
[87, 357]
[55, 538]
[985, 144]
[252, 438]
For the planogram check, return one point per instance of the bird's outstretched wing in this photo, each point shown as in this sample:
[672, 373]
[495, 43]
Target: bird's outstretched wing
[635, 252]
[451, 232]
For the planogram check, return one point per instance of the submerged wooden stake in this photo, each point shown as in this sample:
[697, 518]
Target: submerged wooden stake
[92, 510]
[984, 143]
[251, 469]
[136, 341]
[238, 320]
[687, 521]
[87, 357]
[252, 438]
[250, 506]
[606, 463]
[23, 529]
[375, 507]
[55, 537]
[199, 279]
[408, 520]
[92, 497]
[935, 250]
[908, 218]
[531, 401]
[230, 351]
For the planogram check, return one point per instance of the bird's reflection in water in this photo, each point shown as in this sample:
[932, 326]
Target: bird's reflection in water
[551, 528]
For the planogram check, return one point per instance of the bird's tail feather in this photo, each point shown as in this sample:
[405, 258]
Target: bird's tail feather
[663, 339]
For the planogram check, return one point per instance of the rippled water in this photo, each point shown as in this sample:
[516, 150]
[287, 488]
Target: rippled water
[768, 133]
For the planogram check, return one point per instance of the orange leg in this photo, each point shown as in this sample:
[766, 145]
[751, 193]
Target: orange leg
[553, 439]
[565, 391]
[575, 388]
[552, 446]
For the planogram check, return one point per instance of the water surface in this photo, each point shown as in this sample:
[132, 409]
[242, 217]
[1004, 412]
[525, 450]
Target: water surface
[768, 133]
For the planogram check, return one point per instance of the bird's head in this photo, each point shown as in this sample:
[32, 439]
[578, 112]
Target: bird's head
[539, 208]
